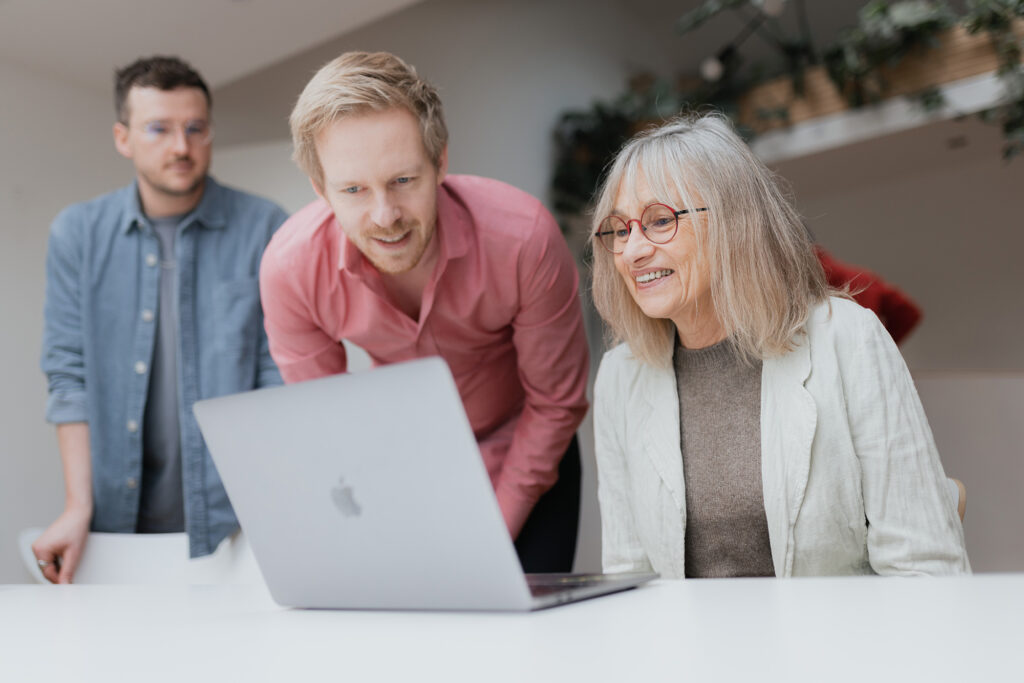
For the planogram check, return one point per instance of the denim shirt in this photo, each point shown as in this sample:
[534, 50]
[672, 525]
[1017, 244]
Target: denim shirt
[102, 291]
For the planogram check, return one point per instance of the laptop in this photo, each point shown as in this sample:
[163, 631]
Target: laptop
[367, 491]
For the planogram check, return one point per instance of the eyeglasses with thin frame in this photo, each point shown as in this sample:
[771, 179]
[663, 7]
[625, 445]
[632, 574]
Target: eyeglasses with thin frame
[659, 223]
[162, 132]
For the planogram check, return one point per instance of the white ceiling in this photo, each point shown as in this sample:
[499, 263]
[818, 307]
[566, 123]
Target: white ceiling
[83, 41]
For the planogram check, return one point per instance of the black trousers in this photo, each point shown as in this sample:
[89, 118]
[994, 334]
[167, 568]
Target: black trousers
[547, 542]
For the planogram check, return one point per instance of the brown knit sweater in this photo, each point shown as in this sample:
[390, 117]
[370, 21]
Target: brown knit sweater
[720, 424]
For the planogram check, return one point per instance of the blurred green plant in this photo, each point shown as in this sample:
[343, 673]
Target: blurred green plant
[996, 17]
[886, 33]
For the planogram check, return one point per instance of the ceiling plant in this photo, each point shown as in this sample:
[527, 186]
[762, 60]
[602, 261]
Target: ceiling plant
[858, 63]
[996, 18]
[885, 34]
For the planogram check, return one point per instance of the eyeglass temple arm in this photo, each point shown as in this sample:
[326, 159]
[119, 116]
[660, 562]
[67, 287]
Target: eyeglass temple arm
[679, 213]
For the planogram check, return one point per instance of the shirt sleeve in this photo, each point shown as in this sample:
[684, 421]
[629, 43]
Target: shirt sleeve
[268, 374]
[300, 348]
[913, 527]
[553, 366]
[63, 357]
[621, 549]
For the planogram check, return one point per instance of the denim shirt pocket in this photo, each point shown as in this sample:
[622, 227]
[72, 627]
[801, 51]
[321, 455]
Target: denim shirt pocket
[236, 305]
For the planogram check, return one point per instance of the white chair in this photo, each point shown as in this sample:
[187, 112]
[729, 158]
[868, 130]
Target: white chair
[163, 558]
[152, 559]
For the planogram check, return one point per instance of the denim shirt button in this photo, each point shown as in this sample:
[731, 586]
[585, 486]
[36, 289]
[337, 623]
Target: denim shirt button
[140, 367]
[132, 426]
[131, 482]
[147, 316]
[151, 260]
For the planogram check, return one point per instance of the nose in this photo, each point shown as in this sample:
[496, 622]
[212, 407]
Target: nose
[385, 211]
[179, 141]
[637, 247]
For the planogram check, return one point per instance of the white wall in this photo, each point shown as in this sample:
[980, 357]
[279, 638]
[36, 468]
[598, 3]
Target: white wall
[505, 69]
[264, 168]
[55, 148]
[937, 212]
[976, 419]
[940, 219]
[942, 223]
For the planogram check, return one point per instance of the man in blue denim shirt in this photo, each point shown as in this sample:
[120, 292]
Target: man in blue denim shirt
[152, 302]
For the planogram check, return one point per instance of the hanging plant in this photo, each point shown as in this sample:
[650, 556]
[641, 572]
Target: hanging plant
[886, 34]
[997, 18]
[860, 65]
[586, 140]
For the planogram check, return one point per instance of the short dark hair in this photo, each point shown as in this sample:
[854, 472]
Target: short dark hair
[163, 73]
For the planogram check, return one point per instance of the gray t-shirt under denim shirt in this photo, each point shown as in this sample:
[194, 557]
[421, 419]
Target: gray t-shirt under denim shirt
[720, 425]
[162, 504]
[102, 295]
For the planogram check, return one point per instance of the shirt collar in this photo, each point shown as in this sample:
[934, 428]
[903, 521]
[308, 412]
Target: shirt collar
[210, 213]
[453, 227]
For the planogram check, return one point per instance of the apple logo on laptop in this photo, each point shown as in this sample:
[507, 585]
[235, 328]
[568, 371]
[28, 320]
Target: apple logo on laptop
[344, 500]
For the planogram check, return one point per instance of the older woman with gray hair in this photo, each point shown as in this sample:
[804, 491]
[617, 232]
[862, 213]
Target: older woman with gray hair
[750, 423]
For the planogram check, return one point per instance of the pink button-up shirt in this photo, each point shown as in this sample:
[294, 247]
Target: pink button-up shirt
[501, 308]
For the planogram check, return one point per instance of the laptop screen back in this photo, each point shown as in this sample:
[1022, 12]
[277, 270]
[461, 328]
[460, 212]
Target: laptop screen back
[365, 490]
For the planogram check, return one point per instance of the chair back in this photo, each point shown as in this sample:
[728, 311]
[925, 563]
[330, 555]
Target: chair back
[152, 559]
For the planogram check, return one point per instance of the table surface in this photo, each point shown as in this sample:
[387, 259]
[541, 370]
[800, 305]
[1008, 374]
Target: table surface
[836, 629]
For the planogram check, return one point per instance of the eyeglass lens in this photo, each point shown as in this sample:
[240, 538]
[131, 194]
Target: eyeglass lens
[658, 221]
[196, 132]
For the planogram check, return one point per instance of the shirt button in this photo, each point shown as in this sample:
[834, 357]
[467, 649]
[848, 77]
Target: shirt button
[147, 316]
[131, 482]
[151, 260]
[132, 426]
[140, 368]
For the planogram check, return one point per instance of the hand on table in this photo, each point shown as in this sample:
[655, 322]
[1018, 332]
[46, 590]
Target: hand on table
[59, 548]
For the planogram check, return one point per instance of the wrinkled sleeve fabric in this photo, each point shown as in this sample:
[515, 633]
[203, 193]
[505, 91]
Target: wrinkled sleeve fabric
[553, 362]
[268, 374]
[621, 549]
[300, 348]
[913, 527]
[63, 352]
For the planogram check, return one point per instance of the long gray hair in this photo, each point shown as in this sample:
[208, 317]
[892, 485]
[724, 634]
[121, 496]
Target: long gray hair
[765, 277]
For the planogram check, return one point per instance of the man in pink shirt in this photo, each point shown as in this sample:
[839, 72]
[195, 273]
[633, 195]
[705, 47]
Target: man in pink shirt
[406, 261]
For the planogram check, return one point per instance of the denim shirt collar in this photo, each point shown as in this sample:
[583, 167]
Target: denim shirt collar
[209, 213]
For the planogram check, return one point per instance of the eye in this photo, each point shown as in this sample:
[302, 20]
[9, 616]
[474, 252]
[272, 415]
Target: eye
[662, 221]
[156, 128]
[353, 189]
[195, 129]
[403, 180]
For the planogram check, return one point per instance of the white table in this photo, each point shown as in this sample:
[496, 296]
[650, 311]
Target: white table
[864, 629]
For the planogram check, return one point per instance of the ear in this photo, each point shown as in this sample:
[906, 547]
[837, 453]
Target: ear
[121, 143]
[317, 189]
[442, 166]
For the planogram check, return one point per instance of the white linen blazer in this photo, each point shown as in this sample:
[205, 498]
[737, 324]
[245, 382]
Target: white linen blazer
[852, 478]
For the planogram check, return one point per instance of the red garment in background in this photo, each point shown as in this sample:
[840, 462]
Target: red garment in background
[898, 313]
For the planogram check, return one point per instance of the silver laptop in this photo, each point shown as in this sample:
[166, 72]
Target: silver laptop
[367, 491]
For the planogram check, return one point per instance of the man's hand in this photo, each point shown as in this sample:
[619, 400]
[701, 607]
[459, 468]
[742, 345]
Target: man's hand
[59, 548]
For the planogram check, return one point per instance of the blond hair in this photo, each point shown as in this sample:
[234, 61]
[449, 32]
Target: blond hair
[765, 277]
[356, 83]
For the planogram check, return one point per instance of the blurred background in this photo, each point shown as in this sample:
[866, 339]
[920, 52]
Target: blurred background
[919, 191]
